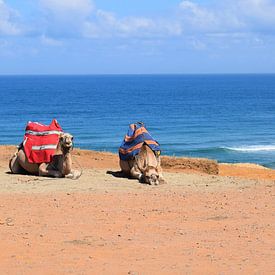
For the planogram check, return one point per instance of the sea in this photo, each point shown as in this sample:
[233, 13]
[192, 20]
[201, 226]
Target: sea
[230, 118]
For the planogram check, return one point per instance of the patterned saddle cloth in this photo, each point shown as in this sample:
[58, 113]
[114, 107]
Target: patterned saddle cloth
[136, 136]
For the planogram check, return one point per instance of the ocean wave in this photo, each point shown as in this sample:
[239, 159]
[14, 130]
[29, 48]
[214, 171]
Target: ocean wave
[251, 148]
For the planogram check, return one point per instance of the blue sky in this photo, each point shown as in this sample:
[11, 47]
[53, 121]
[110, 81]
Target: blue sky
[136, 36]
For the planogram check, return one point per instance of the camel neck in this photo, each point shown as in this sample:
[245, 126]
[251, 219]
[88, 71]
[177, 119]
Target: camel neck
[65, 151]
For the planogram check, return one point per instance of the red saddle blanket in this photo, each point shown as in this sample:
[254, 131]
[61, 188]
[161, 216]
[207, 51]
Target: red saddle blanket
[40, 141]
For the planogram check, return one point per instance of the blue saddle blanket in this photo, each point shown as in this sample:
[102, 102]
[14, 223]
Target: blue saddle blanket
[136, 136]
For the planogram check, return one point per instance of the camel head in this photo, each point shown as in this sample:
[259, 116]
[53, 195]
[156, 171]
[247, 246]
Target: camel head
[151, 175]
[66, 141]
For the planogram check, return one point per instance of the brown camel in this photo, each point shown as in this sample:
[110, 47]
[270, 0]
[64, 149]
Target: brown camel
[60, 166]
[145, 167]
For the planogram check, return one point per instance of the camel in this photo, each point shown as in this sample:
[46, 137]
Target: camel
[60, 166]
[145, 167]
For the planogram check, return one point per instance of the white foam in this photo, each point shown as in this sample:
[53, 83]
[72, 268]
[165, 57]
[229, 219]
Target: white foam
[252, 148]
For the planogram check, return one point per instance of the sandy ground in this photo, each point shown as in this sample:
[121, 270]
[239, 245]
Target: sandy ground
[100, 224]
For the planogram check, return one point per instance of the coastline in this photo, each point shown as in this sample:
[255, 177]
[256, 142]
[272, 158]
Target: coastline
[89, 159]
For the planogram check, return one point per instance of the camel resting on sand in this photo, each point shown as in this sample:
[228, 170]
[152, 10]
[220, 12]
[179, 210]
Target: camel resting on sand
[60, 166]
[145, 167]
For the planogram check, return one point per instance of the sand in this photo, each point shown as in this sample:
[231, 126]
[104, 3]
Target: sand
[198, 223]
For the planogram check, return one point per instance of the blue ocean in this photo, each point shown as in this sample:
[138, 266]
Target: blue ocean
[230, 118]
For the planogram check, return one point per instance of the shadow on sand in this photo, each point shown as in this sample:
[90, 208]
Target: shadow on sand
[116, 174]
[119, 174]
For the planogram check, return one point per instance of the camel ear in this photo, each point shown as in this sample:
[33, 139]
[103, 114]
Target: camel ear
[143, 148]
[61, 135]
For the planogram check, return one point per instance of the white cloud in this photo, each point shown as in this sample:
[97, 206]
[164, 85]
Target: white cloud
[91, 30]
[225, 24]
[48, 41]
[59, 19]
[216, 18]
[7, 20]
[82, 18]
[197, 44]
[65, 18]
[107, 24]
[198, 16]
[148, 26]
[228, 16]
[258, 11]
[71, 8]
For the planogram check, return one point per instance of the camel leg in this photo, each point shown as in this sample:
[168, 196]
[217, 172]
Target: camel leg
[162, 180]
[125, 167]
[130, 169]
[14, 165]
[159, 170]
[45, 171]
[136, 174]
[74, 174]
[30, 168]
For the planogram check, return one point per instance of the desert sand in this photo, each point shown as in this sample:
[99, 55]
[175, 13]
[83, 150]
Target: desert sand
[208, 219]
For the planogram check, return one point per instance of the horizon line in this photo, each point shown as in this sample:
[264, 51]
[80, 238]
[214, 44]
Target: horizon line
[133, 74]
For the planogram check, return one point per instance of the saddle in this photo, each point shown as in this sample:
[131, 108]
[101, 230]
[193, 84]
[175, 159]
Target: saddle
[136, 136]
[40, 141]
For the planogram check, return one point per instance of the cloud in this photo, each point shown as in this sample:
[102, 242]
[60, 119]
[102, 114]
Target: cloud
[48, 41]
[227, 24]
[57, 20]
[197, 16]
[82, 18]
[196, 44]
[148, 27]
[63, 9]
[65, 18]
[8, 16]
[107, 24]
[228, 16]
[261, 9]
[215, 18]
[258, 14]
